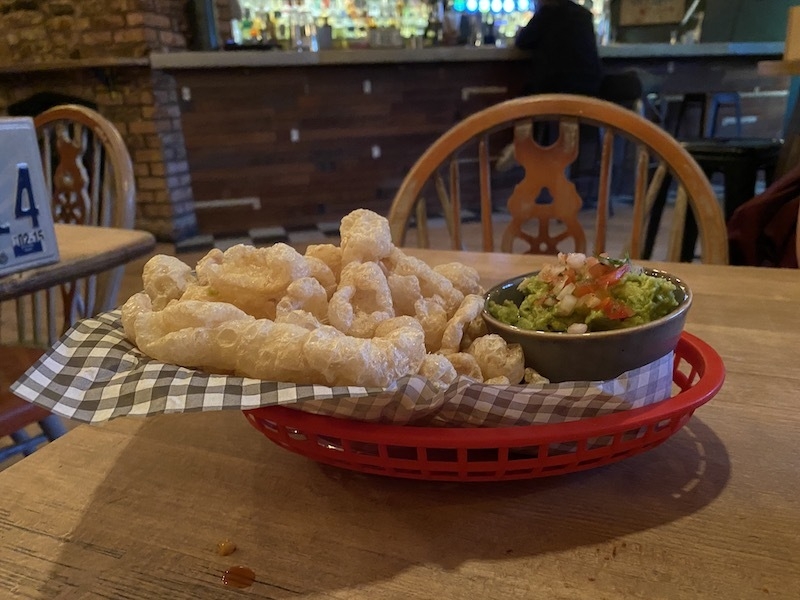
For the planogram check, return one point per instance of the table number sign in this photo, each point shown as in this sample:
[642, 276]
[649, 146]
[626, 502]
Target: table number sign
[27, 237]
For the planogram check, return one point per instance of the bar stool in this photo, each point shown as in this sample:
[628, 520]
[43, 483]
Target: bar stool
[625, 89]
[707, 124]
[688, 102]
[739, 160]
[724, 100]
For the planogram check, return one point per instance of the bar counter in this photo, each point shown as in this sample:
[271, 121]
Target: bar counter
[274, 139]
[257, 58]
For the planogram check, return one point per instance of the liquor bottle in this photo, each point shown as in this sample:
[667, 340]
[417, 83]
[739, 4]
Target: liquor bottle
[247, 26]
[325, 35]
[433, 31]
[489, 35]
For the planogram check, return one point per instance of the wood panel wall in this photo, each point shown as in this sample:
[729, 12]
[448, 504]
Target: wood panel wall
[238, 124]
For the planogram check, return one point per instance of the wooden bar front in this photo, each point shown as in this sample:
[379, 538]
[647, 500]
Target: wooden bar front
[292, 140]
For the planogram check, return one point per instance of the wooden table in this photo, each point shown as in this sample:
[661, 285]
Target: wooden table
[134, 509]
[779, 67]
[83, 251]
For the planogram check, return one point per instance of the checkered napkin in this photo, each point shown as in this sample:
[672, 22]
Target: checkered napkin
[94, 374]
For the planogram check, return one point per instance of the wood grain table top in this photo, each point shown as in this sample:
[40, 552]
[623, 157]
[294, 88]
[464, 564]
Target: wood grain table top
[135, 508]
[84, 250]
[779, 67]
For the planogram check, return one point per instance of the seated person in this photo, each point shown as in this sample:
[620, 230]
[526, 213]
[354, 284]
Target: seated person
[763, 232]
[563, 45]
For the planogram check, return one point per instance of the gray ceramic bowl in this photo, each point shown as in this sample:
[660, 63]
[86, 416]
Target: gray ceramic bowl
[596, 355]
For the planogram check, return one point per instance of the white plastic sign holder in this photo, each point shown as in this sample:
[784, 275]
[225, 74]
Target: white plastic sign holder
[27, 237]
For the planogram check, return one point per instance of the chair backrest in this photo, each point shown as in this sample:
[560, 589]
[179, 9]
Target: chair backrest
[468, 147]
[89, 174]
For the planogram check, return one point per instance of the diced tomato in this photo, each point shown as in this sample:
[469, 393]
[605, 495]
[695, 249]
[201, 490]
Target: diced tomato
[615, 310]
[598, 269]
[602, 277]
[614, 276]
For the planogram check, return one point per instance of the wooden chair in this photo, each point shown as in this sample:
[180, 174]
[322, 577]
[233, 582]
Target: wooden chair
[797, 236]
[89, 174]
[439, 169]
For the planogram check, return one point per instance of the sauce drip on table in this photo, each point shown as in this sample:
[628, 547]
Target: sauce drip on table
[239, 577]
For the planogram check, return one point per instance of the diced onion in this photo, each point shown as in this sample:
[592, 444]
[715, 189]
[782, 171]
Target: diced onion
[558, 286]
[576, 260]
[566, 305]
[578, 328]
[565, 291]
[592, 301]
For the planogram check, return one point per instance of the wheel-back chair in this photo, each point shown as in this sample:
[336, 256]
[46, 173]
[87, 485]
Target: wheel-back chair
[89, 174]
[536, 224]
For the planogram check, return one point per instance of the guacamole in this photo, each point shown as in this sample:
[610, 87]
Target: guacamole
[583, 294]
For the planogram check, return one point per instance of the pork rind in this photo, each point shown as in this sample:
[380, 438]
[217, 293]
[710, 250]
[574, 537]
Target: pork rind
[274, 351]
[365, 237]
[498, 359]
[433, 318]
[220, 338]
[252, 279]
[320, 271]
[300, 318]
[466, 365]
[464, 278]
[470, 309]
[191, 333]
[165, 278]
[398, 348]
[473, 330]
[405, 293]
[137, 304]
[362, 301]
[438, 369]
[306, 294]
[329, 254]
[431, 283]
[363, 314]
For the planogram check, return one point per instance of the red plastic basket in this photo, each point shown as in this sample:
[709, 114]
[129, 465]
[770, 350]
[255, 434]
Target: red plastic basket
[501, 453]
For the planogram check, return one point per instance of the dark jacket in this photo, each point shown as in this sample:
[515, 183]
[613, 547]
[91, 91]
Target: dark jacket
[563, 45]
[762, 231]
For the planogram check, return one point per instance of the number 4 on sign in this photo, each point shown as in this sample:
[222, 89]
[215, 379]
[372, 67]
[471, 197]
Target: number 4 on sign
[21, 209]
[24, 188]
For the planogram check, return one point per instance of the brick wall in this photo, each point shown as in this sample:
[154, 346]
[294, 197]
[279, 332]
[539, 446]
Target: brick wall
[143, 104]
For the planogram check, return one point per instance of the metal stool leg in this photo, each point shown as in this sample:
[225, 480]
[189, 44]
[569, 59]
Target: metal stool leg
[23, 444]
[654, 220]
[53, 427]
[700, 101]
[731, 99]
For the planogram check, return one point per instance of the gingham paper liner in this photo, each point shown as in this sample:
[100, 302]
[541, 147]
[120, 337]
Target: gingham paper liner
[94, 374]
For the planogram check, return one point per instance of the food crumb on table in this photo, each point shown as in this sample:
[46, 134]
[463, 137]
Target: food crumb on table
[226, 548]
